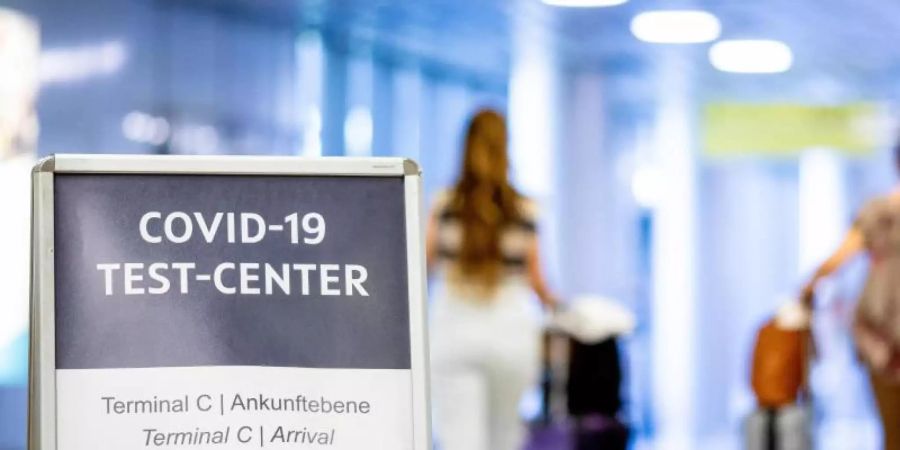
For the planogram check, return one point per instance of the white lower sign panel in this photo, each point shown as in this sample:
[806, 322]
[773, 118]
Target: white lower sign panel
[234, 408]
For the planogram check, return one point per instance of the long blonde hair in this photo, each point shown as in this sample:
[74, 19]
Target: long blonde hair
[484, 201]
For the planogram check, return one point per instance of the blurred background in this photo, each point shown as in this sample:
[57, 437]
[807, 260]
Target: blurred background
[694, 159]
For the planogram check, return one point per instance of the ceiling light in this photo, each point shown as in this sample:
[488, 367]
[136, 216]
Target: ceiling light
[751, 56]
[79, 63]
[676, 27]
[146, 129]
[584, 3]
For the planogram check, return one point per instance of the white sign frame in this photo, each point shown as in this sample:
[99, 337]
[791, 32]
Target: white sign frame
[42, 427]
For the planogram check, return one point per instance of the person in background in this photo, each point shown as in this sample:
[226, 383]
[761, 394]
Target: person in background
[482, 245]
[876, 232]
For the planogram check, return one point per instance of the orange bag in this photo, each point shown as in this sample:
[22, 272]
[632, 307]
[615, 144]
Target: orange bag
[780, 365]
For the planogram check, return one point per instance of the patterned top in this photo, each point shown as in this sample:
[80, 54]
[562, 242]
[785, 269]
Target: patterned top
[514, 241]
[877, 327]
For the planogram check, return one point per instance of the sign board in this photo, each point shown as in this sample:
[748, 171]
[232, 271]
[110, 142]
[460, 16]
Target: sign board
[228, 303]
[786, 130]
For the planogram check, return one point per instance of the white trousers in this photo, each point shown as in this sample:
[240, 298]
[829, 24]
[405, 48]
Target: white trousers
[484, 356]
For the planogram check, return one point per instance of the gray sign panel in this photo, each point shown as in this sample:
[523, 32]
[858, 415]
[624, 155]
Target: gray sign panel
[325, 287]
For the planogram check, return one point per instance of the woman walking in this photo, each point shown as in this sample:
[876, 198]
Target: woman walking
[482, 246]
[876, 232]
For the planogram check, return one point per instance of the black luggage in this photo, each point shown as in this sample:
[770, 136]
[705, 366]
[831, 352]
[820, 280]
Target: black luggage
[600, 433]
[595, 379]
[594, 395]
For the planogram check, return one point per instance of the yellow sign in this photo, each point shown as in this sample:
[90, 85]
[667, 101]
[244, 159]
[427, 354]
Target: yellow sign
[785, 130]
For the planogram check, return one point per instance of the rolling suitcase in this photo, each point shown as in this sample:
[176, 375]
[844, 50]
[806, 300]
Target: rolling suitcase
[785, 428]
[594, 395]
[595, 379]
[779, 377]
[600, 433]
